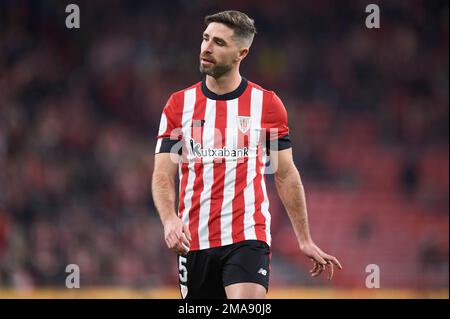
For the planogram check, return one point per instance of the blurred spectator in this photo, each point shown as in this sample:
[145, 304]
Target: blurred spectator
[409, 175]
[431, 257]
[365, 229]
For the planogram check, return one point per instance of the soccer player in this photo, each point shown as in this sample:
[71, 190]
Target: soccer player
[217, 135]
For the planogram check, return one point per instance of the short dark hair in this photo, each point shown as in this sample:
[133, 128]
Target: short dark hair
[242, 25]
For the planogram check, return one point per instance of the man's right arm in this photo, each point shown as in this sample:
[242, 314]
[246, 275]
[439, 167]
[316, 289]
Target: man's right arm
[176, 234]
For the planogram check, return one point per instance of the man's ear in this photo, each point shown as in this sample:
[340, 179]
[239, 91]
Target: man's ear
[242, 54]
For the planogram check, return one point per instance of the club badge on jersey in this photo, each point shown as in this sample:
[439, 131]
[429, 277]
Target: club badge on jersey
[244, 123]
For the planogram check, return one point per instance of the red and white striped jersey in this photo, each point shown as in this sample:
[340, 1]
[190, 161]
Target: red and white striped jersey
[222, 142]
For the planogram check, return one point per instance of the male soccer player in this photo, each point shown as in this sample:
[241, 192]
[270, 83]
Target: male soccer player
[220, 132]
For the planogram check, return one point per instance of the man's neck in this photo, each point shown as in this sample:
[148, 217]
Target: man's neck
[225, 84]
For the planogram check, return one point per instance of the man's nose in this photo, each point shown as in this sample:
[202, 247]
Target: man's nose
[207, 48]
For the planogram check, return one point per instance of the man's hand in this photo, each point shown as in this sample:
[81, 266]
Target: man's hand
[177, 235]
[320, 259]
[290, 188]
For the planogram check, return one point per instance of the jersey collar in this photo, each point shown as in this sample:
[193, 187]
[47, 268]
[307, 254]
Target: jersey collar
[227, 96]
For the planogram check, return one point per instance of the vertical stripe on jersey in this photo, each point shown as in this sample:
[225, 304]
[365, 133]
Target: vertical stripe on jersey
[262, 216]
[241, 170]
[158, 145]
[183, 168]
[215, 223]
[187, 168]
[226, 217]
[197, 135]
[251, 210]
[208, 174]
[265, 203]
[259, 218]
[184, 177]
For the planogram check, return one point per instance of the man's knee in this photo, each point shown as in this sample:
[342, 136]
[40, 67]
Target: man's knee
[245, 290]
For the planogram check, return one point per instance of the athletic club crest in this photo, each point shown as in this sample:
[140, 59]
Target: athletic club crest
[244, 123]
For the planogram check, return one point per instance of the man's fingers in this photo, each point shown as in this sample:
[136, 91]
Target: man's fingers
[180, 239]
[173, 240]
[319, 259]
[336, 262]
[170, 242]
[318, 271]
[319, 265]
[185, 243]
[333, 260]
[180, 249]
[314, 268]
[331, 270]
[179, 234]
[166, 239]
[184, 240]
[187, 232]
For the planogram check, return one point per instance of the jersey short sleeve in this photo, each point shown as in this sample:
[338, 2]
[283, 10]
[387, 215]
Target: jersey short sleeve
[169, 133]
[276, 119]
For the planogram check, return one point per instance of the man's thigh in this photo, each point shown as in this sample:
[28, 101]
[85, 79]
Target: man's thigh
[200, 276]
[247, 262]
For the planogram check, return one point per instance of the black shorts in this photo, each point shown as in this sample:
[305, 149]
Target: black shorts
[206, 273]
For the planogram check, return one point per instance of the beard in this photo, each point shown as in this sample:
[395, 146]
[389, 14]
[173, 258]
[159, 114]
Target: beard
[216, 70]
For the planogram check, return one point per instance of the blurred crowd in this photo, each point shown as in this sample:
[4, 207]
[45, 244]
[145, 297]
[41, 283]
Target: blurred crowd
[80, 109]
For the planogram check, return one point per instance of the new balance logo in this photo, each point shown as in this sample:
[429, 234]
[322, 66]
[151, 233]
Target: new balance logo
[262, 271]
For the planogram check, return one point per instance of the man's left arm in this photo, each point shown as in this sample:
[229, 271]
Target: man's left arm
[292, 194]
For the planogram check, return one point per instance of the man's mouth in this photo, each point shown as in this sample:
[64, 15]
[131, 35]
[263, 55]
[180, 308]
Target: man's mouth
[206, 61]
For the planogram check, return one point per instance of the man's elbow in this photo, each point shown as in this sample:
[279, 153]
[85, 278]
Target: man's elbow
[162, 180]
[285, 172]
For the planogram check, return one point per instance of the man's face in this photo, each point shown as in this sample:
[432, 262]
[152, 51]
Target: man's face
[219, 50]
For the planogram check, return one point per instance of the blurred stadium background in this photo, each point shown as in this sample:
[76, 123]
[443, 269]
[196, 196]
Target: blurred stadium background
[80, 108]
